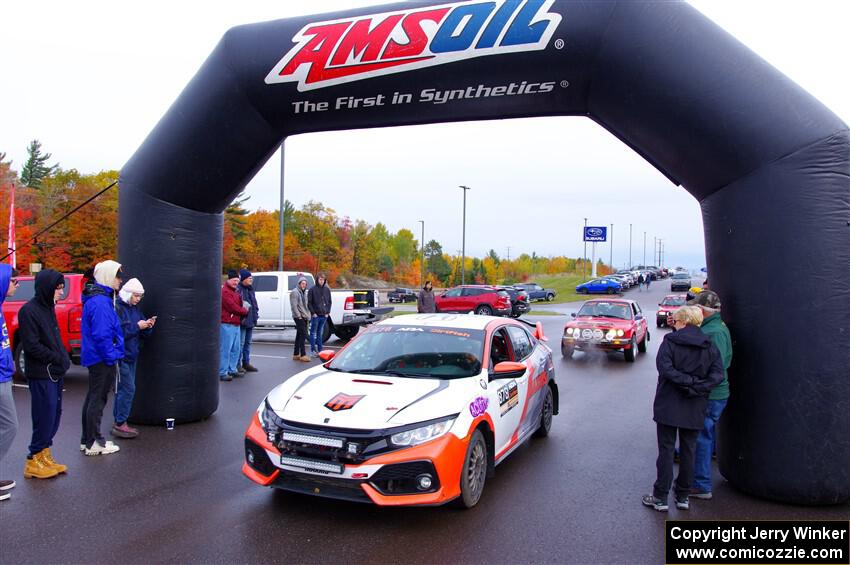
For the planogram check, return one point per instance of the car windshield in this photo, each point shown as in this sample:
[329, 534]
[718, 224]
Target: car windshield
[673, 301]
[413, 351]
[605, 310]
[681, 276]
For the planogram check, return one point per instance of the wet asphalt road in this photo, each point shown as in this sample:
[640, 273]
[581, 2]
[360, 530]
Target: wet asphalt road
[179, 496]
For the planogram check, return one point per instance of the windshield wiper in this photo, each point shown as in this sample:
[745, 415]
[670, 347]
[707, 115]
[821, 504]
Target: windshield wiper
[393, 372]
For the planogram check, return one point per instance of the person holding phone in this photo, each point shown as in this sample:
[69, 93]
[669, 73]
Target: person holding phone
[136, 327]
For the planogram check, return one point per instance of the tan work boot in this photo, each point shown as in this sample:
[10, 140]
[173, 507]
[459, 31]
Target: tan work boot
[296, 357]
[304, 358]
[47, 457]
[37, 468]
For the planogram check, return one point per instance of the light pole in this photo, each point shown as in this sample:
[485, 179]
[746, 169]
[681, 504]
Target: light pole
[422, 263]
[584, 262]
[644, 250]
[463, 245]
[630, 247]
[611, 258]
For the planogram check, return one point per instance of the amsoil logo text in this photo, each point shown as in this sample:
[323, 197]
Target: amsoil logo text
[346, 50]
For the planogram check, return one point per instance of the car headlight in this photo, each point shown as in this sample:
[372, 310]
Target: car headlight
[569, 331]
[610, 335]
[422, 434]
[271, 422]
[620, 333]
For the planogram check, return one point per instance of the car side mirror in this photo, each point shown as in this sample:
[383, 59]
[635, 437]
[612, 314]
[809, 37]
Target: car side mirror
[639, 317]
[573, 314]
[508, 370]
[327, 354]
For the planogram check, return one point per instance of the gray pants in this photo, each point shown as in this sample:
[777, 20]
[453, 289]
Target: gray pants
[8, 418]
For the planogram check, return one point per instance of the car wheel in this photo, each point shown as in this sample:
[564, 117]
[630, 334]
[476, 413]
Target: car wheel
[550, 297]
[326, 332]
[346, 333]
[642, 344]
[19, 362]
[610, 291]
[658, 324]
[582, 291]
[567, 351]
[546, 414]
[474, 473]
[630, 353]
[484, 310]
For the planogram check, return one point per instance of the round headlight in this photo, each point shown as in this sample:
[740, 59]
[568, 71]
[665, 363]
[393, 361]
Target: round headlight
[620, 333]
[610, 335]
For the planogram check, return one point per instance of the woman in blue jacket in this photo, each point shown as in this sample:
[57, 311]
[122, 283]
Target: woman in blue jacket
[102, 348]
[135, 327]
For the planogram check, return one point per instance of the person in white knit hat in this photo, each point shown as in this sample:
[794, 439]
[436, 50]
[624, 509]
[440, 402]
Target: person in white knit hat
[136, 327]
[102, 348]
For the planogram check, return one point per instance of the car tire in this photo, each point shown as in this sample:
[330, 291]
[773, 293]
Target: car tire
[346, 333]
[610, 291]
[567, 351]
[642, 344]
[484, 310]
[19, 362]
[550, 297]
[474, 472]
[658, 324]
[326, 331]
[546, 413]
[630, 353]
[583, 291]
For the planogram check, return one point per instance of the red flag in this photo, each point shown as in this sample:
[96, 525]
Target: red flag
[12, 229]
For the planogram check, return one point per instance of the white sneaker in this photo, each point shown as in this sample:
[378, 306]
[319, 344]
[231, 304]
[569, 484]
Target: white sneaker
[82, 447]
[97, 449]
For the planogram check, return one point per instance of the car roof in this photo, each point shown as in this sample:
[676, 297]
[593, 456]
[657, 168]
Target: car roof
[614, 301]
[466, 321]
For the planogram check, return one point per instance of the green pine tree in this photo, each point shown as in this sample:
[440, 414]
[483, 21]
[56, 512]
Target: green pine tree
[35, 170]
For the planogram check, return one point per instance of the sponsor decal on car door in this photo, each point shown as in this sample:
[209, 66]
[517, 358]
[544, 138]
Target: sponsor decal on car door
[507, 395]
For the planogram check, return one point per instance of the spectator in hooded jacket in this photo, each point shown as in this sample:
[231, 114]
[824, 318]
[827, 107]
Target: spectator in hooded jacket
[135, 326]
[319, 304]
[425, 302]
[46, 361]
[102, 349]
[246, 329]
[689, 367]
[8, 415]
[231, 318]
[301, 316]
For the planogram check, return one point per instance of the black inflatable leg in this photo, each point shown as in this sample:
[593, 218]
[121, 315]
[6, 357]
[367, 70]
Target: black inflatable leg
[176, 254]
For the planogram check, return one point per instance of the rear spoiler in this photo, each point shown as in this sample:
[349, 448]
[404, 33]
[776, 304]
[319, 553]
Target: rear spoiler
[538, 329]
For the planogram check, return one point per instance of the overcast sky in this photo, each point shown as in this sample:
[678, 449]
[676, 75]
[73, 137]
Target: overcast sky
[91, 79]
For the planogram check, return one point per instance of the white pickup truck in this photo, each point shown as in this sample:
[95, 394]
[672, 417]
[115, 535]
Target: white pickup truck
[350, 309]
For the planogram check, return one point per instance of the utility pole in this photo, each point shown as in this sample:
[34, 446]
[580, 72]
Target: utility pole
[644, 250]
[654, 251]
[611, 258]
[630, 248]
[509, 252]
[463, 256]
[422, 261]
[584, 262]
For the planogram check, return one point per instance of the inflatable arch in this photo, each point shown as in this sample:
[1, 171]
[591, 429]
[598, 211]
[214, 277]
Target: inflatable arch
[768, 163]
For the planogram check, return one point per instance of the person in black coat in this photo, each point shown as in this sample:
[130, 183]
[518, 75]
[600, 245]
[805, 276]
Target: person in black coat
[45, 363]
[689, 367]
[319, 304]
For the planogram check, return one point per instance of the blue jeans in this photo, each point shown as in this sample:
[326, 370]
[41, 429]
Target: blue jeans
[317, 327]
[125, 392]
[245, 335]
[705, 445]
[46, 412]
[229, 349]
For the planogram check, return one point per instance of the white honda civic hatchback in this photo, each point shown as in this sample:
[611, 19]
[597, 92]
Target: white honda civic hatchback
[416, 410]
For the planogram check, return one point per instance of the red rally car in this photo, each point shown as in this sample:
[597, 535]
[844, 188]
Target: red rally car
[607, 324]
[667, 306]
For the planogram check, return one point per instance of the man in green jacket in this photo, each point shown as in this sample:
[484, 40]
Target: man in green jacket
[716, 330]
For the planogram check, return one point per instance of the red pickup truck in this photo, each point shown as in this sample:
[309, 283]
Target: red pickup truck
[69, 314]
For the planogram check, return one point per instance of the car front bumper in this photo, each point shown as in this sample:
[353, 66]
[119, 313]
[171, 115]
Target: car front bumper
[370, 481]
[582, 344]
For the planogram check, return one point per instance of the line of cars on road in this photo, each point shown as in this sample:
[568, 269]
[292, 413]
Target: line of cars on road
[485, 300]
[620, 281]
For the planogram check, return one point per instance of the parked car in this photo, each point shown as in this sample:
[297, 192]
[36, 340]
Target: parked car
[403, 295]
[481, 299]
[629, 275]
[69, 314]
[350, 309]
[624, 281]
[537, 292]
[666, 307]
[599, 286]
[680, 281]
[519, 300]
[417, 410]
[607, 324]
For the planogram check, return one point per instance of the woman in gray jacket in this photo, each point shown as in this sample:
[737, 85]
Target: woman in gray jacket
[301, 315]
[426, 302]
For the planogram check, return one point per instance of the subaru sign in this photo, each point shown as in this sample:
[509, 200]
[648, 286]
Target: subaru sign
[593, 233]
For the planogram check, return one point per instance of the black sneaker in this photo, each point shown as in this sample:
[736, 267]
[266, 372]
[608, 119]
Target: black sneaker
[226, 378]
[682, 503]
[656, 503]
[7, 485]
